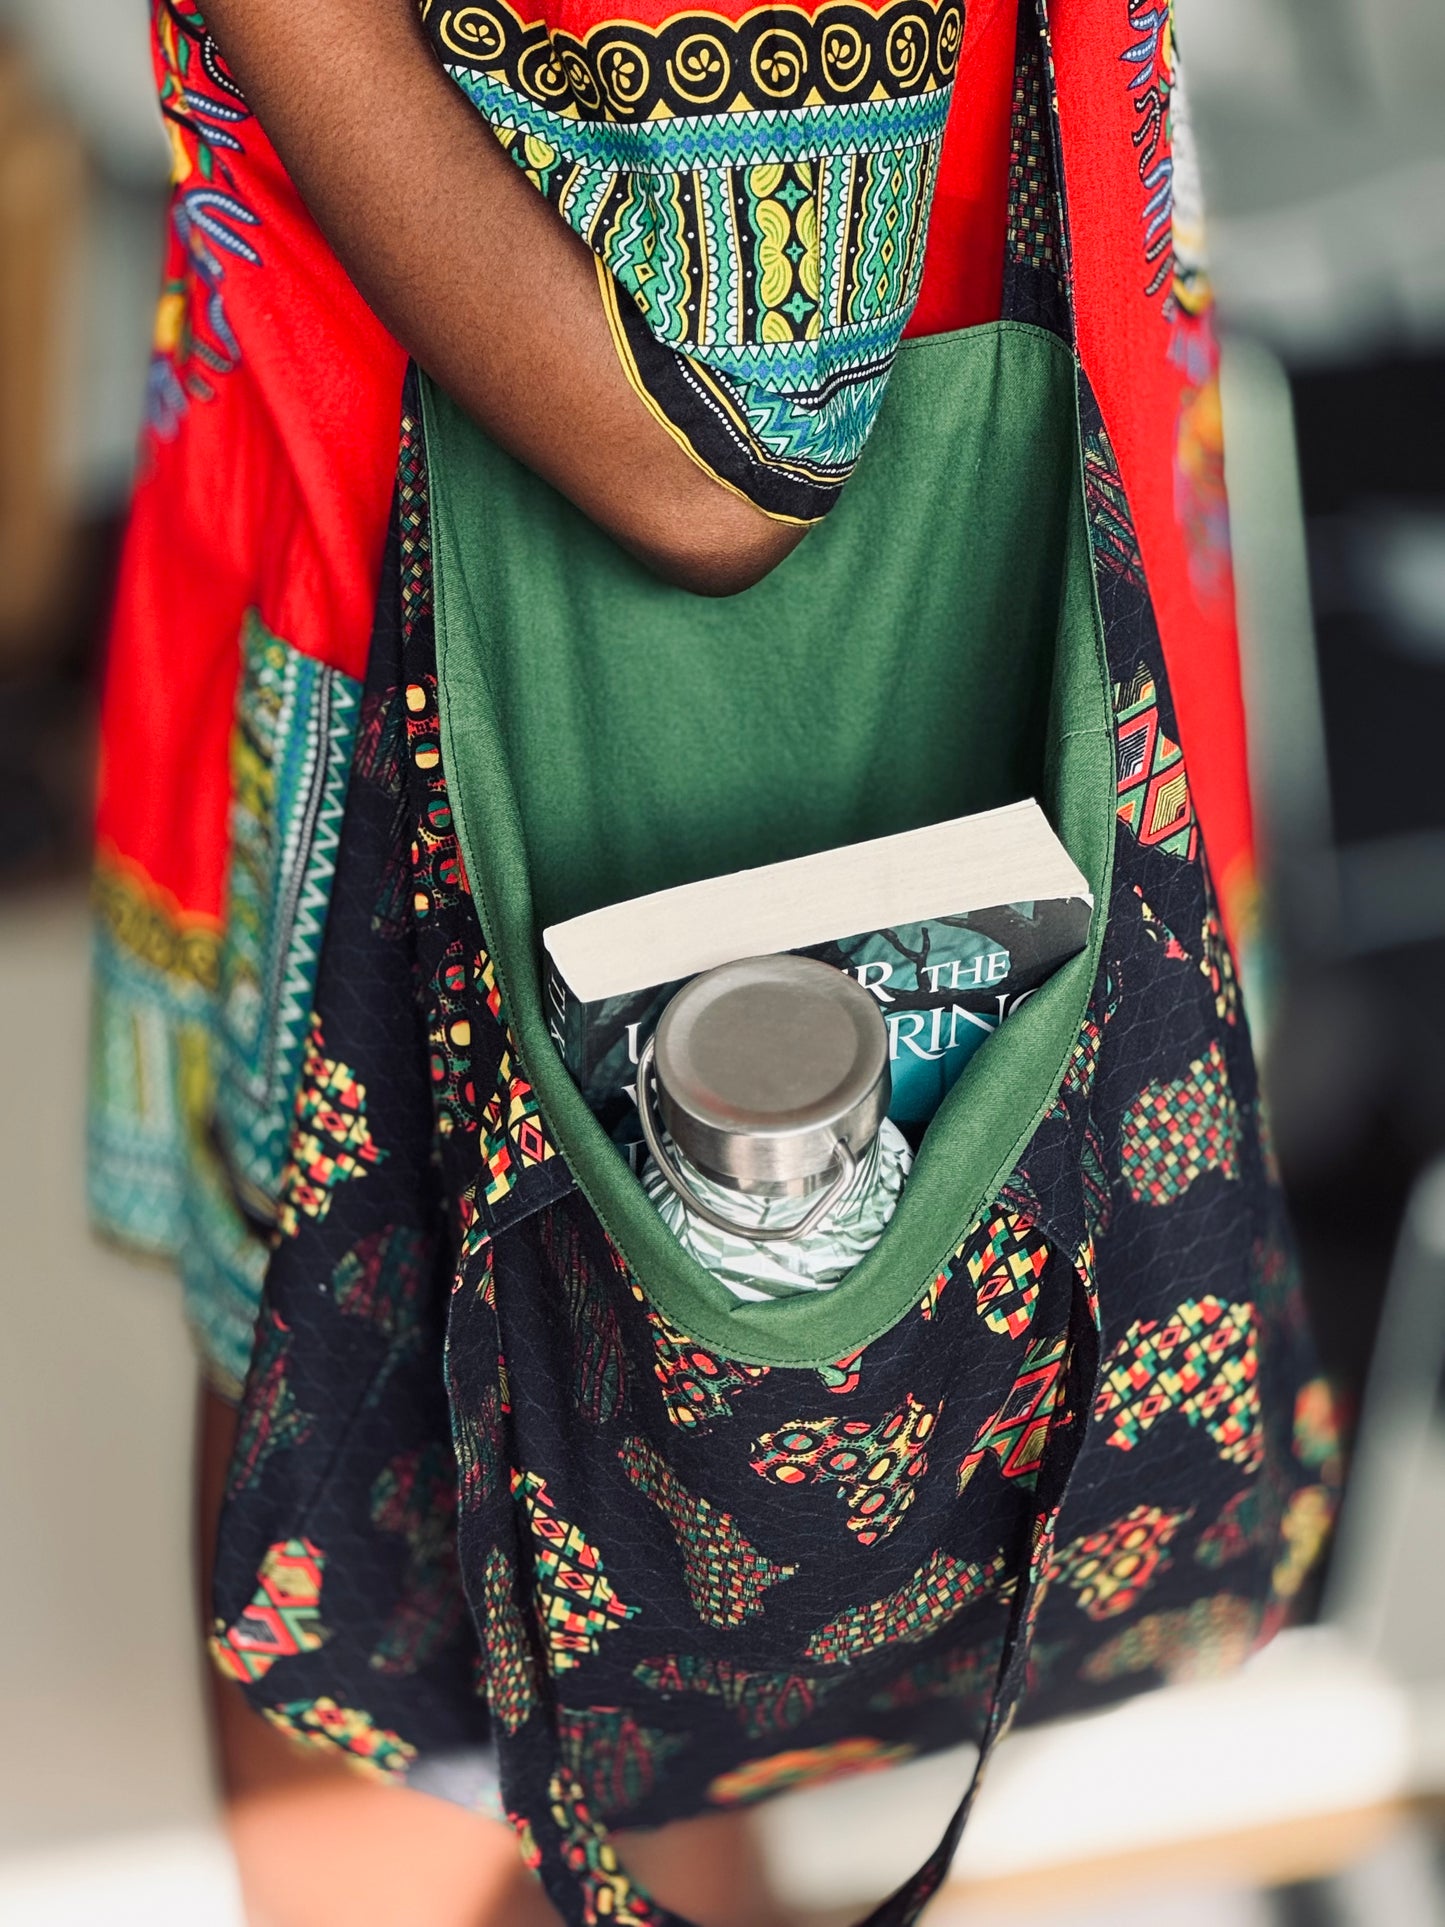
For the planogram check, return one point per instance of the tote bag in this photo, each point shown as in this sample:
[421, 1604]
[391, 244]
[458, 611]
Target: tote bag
[1058, 1435]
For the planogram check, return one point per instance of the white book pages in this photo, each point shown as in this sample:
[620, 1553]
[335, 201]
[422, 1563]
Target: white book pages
[1008, 855]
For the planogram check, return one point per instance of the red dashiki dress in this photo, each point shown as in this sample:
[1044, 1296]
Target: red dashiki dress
[757, 295]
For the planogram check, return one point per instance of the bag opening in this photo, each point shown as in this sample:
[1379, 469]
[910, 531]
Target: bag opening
[932, 649]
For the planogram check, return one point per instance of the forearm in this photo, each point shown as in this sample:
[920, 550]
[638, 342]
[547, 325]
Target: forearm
[476, 276]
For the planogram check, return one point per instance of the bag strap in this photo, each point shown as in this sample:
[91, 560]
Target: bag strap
[1036, 282]
[1056, 1474]
[570, 1851]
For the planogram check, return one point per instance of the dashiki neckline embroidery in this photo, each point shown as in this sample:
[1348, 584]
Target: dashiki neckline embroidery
[203, 112]
[758, 190]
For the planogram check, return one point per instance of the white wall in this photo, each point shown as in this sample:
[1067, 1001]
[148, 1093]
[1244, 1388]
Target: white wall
[94, 57]
[1321, 129]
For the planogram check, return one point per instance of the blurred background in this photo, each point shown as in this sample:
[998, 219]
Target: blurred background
[1307, 1792]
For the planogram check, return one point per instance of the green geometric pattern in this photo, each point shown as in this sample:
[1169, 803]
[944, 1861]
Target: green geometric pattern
[511, 1684]
[697, 1387]
[874, 1466]
[765, 1703]
[1110, 1570]
[271, 1420]
[966, 1674]
[1204, 1640]
[1017, 1433]
[1173, 1133]
[598, 1358]
[609, 1898]
[155, 1180]
[477, 1440]
[574, 1597]
[939, 1589]
[1247, 1520]
[283, 1617]
[323, 1723]
[725, 1575]
[1005, 1262]
[611, 1757]
[1202, 1362]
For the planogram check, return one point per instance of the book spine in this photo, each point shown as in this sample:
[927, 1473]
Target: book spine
[564, 1015]
[599, 1043]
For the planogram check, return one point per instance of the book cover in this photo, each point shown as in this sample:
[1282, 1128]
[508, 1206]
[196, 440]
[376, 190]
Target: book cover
[943, 987]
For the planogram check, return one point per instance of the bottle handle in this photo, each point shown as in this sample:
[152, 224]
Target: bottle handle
[667, 1164]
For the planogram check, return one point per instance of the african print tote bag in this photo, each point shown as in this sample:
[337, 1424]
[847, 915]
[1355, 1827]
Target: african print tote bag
[511, 1465]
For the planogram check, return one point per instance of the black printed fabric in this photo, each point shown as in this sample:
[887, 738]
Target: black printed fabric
[485, 1491]
[699, 1582]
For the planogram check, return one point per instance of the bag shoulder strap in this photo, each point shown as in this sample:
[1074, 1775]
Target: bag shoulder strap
[1036, 281]
[571, 1853]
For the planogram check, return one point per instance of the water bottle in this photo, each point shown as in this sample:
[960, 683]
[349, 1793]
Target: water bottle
[763, 1096]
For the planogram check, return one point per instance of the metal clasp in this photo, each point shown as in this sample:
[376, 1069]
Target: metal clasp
[780, 1234]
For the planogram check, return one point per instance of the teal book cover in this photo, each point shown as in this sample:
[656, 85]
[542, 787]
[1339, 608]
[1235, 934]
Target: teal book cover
[945, 986]
[942, 987]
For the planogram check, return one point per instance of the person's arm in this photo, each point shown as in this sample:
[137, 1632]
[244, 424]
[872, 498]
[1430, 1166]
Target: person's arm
[477, 276]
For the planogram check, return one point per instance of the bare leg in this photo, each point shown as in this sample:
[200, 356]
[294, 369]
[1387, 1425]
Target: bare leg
[709, 1869]
[318, 1846]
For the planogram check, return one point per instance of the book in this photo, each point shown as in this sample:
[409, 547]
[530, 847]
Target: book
[952, 928]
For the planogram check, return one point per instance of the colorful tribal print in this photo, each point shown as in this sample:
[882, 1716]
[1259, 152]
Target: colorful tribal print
[291, 751]
[765, 1703]
[211, 224]
[283, 1618]
[873, 1467]
[201, 1023]
[756, 189]
[640, 1618]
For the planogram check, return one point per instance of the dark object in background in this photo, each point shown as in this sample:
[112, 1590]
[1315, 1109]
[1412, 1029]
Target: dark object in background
[42, 186]
[1372, 462]
[53, 575]
[1357, 1059]
[49, 709]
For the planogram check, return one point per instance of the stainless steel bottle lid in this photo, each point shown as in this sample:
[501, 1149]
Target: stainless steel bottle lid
[763, 1066]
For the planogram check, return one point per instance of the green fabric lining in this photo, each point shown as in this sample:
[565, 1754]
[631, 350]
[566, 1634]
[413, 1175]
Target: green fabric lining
[933, 648]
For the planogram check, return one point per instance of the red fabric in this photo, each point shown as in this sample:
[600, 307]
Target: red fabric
[1153, 365]
[270, 494]
[270, 490]
[963, 260]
